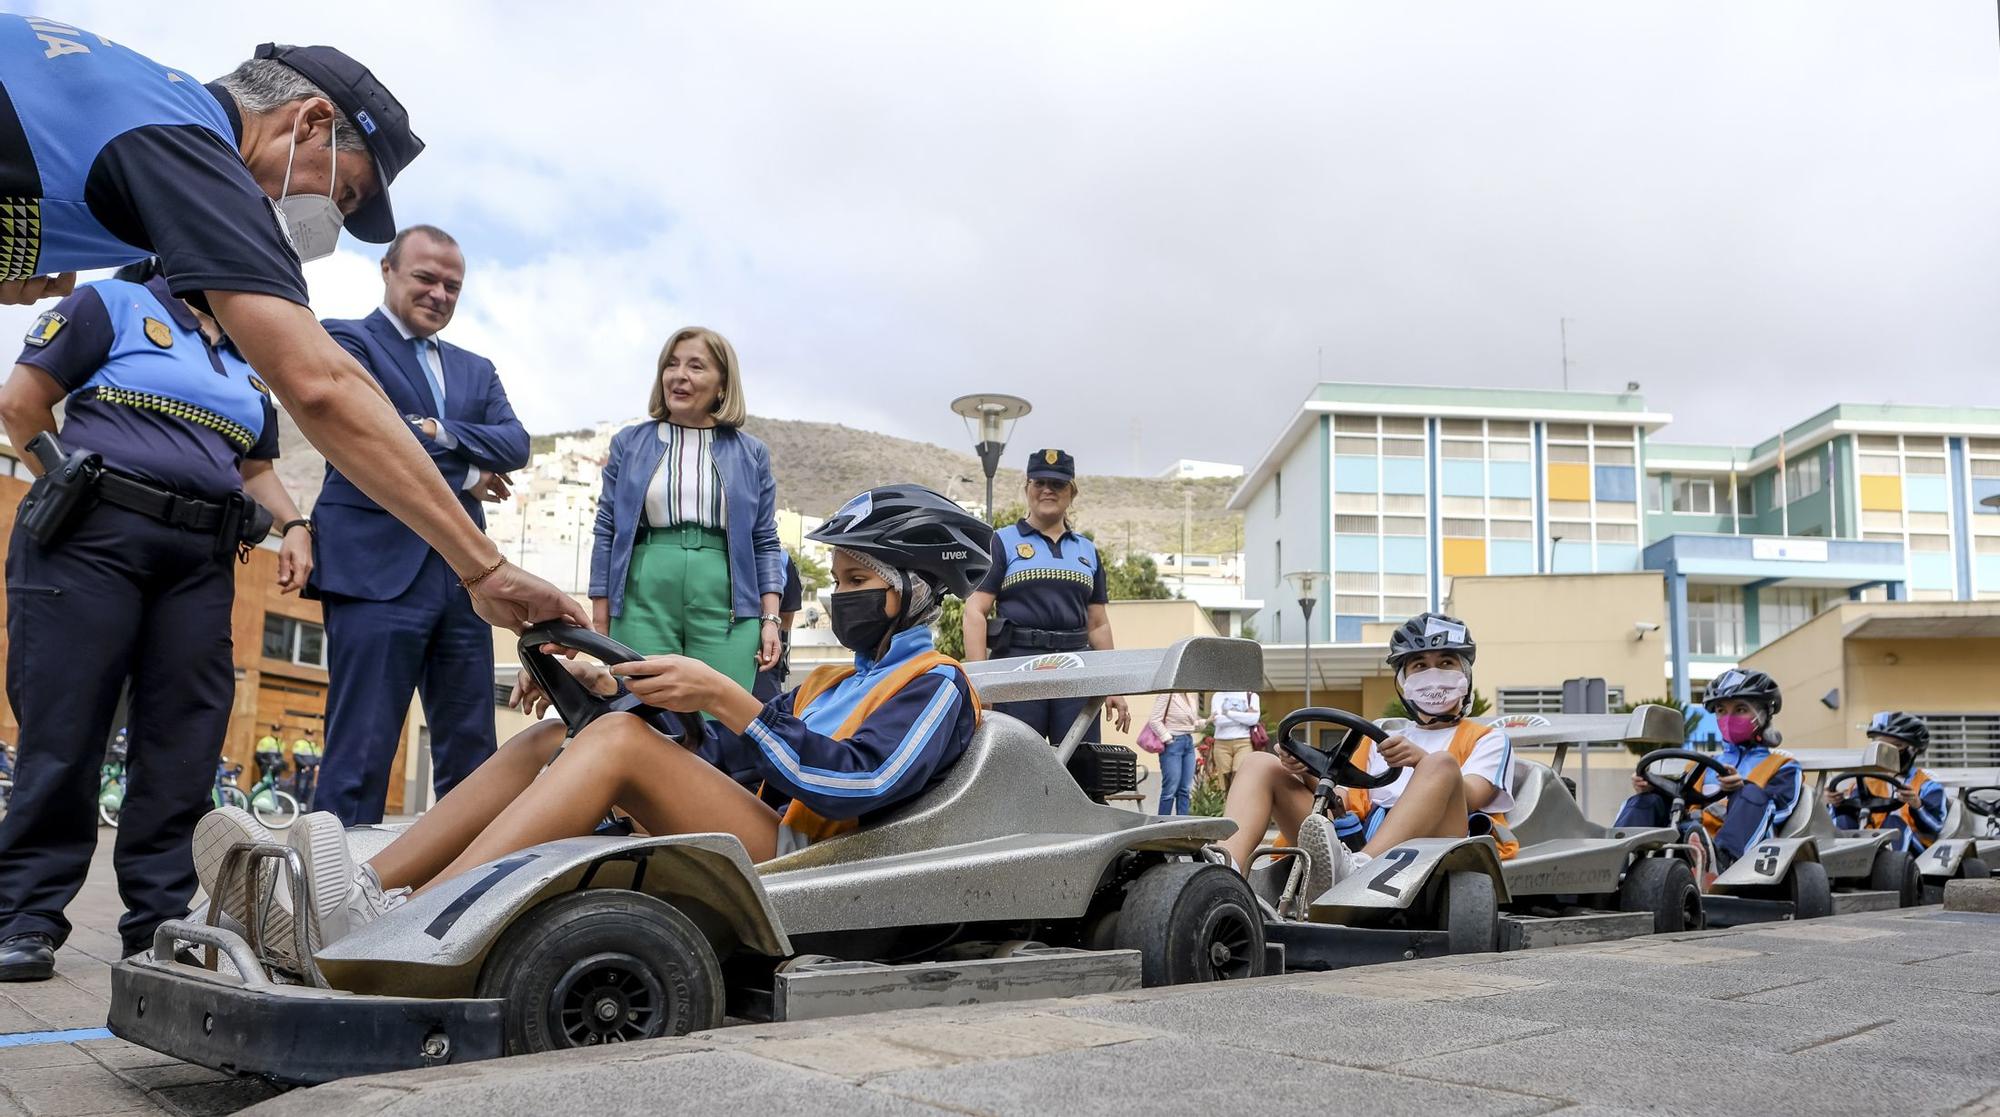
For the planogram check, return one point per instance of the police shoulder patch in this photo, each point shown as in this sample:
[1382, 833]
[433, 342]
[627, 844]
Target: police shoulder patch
[257, 382]
[158, 333]
[45, 328]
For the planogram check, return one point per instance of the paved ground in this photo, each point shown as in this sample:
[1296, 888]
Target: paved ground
[1885, 1013]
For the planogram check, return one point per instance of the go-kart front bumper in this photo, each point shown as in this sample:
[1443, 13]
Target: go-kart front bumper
[292, 1034]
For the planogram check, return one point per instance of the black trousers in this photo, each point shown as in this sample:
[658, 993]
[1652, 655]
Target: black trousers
[123, 597]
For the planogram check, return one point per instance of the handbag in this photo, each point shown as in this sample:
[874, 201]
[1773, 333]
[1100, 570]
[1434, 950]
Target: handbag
[1150, 739]
[1259, 738]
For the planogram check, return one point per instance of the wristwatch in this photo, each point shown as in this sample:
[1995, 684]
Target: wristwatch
[772, 618]
[286, 528]
[413, 419]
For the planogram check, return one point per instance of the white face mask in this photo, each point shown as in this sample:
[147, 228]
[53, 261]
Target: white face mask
[311, 221]
[1436, 691]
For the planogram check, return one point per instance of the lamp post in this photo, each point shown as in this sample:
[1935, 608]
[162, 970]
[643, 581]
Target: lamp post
[1308, 583]
[995, 415]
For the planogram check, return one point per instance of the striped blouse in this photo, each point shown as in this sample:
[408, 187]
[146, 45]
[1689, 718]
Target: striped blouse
[686, 489]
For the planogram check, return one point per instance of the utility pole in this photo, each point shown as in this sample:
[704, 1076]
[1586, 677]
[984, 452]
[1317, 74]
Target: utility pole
[1187, 516]
[1563, 324]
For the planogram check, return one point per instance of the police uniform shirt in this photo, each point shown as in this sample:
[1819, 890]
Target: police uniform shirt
[1045, 583]
[107, 157]
[148, 392]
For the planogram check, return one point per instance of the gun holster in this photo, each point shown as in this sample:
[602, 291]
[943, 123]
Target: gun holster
[63, 495]
[245, 523]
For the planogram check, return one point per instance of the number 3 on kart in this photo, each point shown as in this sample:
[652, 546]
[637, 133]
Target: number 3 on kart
[1398, 860]
[1767, 860]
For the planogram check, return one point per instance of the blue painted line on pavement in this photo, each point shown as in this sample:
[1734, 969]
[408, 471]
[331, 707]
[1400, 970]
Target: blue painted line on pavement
[74, 1035]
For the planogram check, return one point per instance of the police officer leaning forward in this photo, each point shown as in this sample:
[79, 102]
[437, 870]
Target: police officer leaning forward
[1047, 592]
[107, 157]
[136, 582]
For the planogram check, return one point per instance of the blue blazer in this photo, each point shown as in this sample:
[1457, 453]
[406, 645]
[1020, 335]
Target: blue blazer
[359, 549]
[750, 500]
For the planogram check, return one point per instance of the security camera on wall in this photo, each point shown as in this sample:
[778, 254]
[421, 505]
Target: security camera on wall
[1641, 628]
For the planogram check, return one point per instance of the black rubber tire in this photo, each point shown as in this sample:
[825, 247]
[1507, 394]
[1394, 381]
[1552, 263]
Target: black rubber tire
[1191, 921]
[602, 946]
[1896, 871]
[1664, 886]
[1807, 890]
[1974, 868]
[1469, 913]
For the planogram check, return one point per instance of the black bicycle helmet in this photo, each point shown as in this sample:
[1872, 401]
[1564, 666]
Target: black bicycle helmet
[1431, 632]
[1754, 687]
[1907, 728]
[912, 528]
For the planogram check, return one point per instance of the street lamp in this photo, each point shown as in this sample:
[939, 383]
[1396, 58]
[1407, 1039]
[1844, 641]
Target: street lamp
[1308, 583]
[996, 415]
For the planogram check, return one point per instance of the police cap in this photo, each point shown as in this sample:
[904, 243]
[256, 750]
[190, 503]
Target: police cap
[385, 127]
[1051, 465]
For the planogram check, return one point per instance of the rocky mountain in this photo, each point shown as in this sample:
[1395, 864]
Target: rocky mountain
[821, 464]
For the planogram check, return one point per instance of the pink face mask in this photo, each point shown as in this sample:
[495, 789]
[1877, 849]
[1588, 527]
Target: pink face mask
[1737, 729]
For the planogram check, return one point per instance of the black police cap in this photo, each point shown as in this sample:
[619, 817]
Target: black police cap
[384, 125]
[1051, 465]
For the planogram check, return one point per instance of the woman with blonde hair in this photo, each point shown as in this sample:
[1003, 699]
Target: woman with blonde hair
[686, 559]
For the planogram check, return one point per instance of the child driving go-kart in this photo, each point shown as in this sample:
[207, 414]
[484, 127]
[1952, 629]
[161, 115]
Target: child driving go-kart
[1914, 805]
[1760, 790]
[850, 742]
[1455, 780]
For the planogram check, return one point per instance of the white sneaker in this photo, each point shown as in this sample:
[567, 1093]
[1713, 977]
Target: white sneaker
[214, 834]
[321, 843]
[1328, 860]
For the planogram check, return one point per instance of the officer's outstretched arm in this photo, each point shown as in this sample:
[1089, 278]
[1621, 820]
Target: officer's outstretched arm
[342, 411]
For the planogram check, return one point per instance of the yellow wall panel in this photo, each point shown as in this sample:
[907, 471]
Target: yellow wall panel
[1464, 556]
[1881, 493]
[1569, 481]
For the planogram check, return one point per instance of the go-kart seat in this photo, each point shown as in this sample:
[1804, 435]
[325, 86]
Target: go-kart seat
[1007, 785]
[1956, 823]
[1543, 808]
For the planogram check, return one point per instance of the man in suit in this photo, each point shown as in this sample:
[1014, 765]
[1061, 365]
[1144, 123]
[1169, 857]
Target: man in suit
[397, 619]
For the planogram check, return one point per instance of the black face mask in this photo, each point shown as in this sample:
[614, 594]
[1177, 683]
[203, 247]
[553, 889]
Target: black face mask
[861, 619]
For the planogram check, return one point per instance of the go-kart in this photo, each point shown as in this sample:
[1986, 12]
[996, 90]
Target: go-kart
[1423, 898]
[1922, 874]
[1573, 880]
[1780, 878]
[1002, 881]
[1971, 825]
[1865, 869]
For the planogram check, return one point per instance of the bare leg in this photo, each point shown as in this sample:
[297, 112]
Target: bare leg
[1432, 806]
[446, 829]
[1262, 791]
[620, 759]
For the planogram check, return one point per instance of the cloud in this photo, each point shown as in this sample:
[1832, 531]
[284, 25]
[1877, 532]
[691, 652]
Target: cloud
[1162, 222]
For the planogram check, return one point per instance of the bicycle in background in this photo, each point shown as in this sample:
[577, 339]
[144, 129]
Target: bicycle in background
[275, 807]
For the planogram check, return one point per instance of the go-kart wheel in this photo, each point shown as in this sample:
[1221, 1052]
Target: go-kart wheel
[1807, 890]
[1469, 913]
[602, 966]
[1191, 921]
[1664, 886]
[1974, 868]
[1896, 871]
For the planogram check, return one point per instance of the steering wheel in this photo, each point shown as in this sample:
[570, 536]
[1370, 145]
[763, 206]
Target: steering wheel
[1688, 787]
[1337, 765]
[1867, 801]
[1983, 801]
[577, 703]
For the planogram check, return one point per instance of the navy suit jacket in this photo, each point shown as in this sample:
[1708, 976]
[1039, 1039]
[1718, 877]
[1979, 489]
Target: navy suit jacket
[360, 550]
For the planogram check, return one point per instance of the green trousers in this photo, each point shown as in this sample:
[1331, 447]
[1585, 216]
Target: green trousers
[677, 602]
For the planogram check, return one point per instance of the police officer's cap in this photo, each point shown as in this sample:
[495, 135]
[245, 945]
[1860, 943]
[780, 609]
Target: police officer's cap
[1051, 465]
[383, 123]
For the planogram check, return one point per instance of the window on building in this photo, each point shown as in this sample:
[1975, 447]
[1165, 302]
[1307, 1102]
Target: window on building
[1784, 608]
[1655, 486]
[295, 641]
[1546, 699]
[1278, 557]
[1694, 496]
[1804, 477]
[1715, 620]
[1278, 493]
[1963, 740]
[1746, 497]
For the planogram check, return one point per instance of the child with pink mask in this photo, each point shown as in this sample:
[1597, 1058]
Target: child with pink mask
[1763, 786]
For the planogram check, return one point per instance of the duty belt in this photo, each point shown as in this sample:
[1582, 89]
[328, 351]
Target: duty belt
[1047, 639]
[201, 516]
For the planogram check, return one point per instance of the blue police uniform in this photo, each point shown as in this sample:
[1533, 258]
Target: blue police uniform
[1043, 589]
[107, 157]
[140, 587]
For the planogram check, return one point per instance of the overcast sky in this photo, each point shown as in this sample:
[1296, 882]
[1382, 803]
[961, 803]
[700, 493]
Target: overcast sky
[1162, 222]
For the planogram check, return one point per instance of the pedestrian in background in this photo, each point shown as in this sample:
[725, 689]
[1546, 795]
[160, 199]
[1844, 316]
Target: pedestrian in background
[398, 620]
[686, 559]
[1177, 719]
[168, 439]
[1235, 714]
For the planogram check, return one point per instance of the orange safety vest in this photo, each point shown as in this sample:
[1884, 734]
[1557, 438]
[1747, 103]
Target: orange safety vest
[1760, 775]
[1463, 740]
[1882, 790]
[798, 816]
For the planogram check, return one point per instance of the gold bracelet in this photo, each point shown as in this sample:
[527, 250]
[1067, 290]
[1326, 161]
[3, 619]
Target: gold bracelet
[485, 574]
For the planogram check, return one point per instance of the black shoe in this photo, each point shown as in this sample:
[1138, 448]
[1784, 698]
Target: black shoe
[29, 957]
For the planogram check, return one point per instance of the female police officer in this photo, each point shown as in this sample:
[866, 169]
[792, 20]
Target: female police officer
[1048, 586]
[120, 564]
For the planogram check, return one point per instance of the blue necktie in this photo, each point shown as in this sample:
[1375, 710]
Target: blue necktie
[426, 351]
